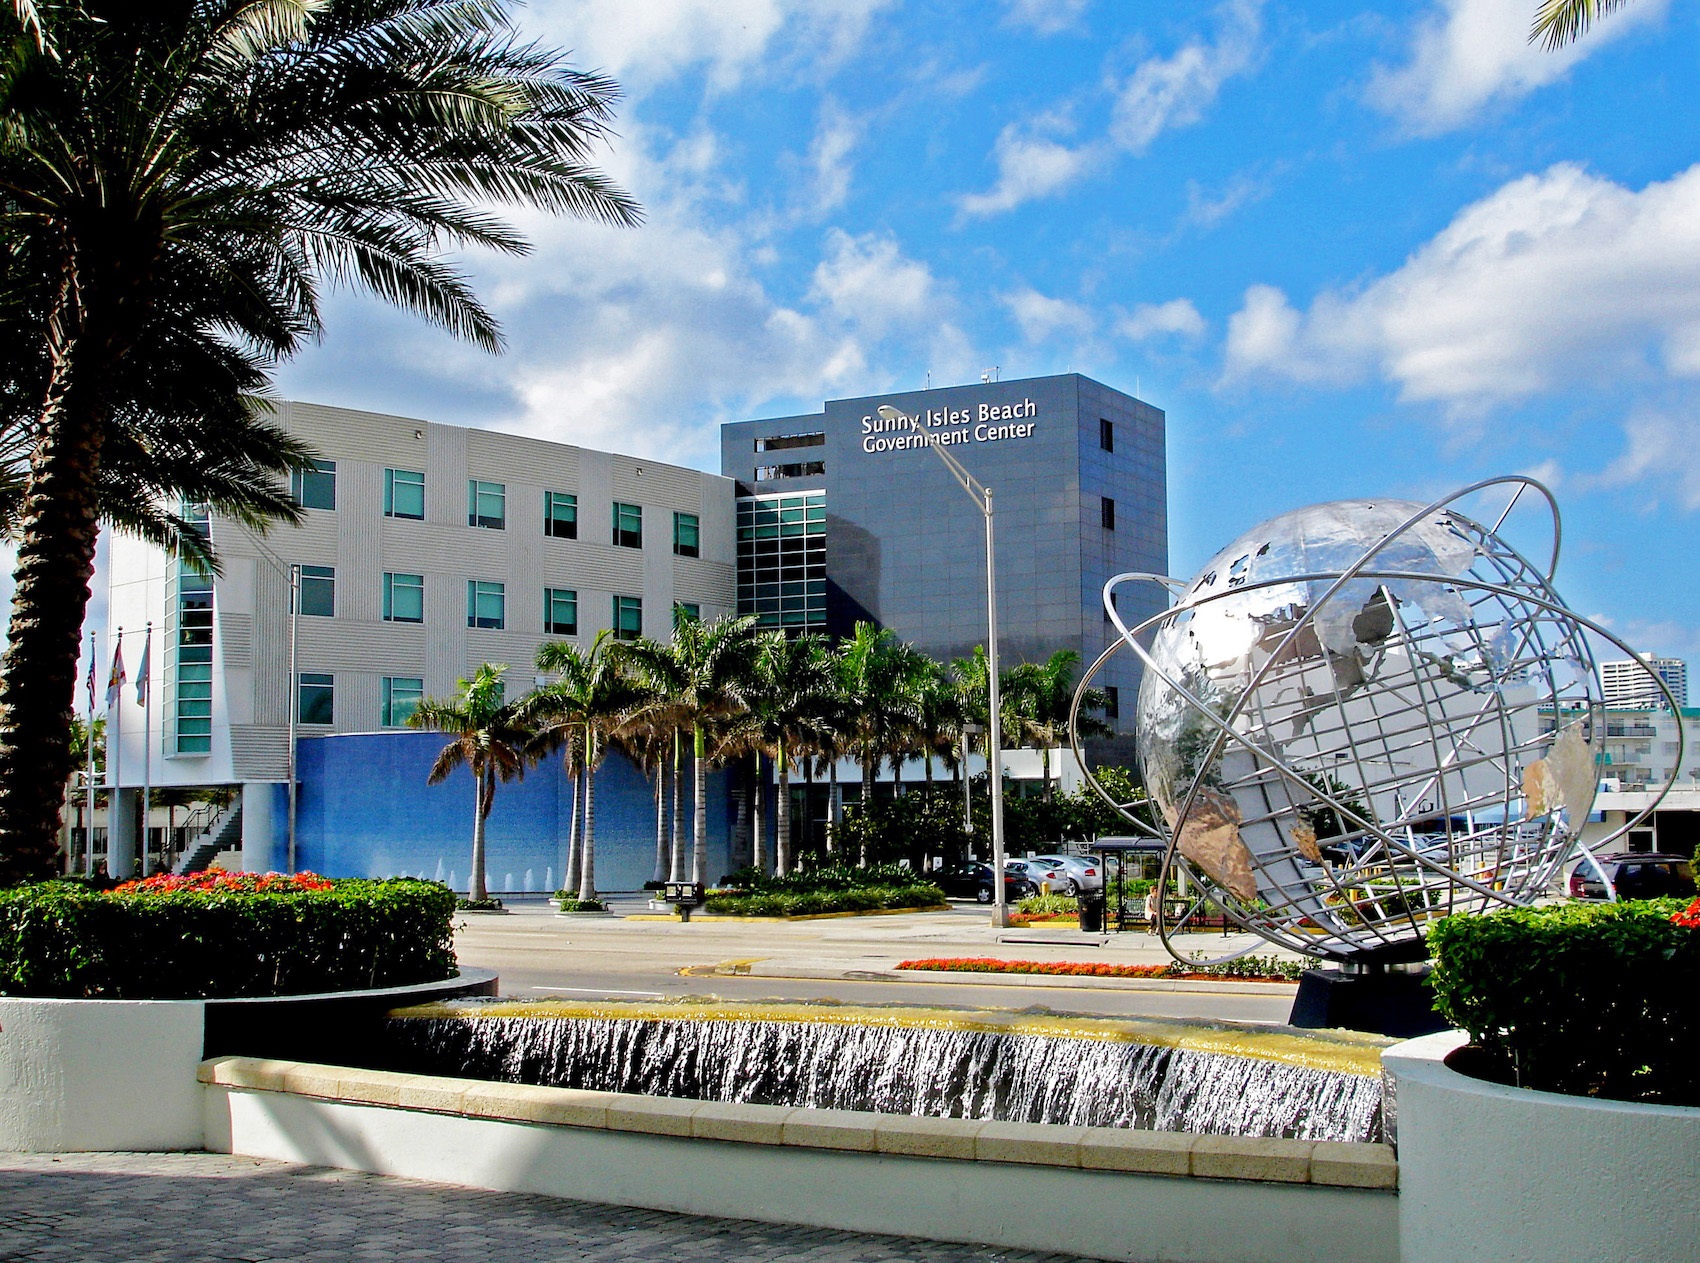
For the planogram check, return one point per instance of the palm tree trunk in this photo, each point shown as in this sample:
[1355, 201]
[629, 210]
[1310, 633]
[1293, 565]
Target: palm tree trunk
[587, 865]
[741, 831]
[867, 808]
[1045, 764]
[782, 816]
[834, 805]
[699, 782]
[660, 820]
[475, 888]
[569, 879]
[758, 820]
[676, 871]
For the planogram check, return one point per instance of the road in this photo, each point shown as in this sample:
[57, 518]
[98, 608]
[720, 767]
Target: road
[539, 954]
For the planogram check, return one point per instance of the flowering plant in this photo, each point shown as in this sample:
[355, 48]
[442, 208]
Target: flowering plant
[1256, 967]
[1689, 917]
[217, 881]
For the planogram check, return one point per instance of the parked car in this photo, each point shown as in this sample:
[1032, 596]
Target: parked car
[1078, 874]
[1038, 872]
[1643, 875]
[974, 881]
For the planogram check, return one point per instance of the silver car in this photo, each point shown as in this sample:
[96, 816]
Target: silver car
[1070, 874]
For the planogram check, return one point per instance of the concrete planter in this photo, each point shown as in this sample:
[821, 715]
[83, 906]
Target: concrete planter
[1509, 1175]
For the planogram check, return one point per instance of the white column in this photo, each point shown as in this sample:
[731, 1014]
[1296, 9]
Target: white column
[259, 827]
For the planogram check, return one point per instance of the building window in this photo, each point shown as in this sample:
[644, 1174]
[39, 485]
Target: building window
[687, 531]
[780, 442]
[1113, 605]
[782, 560]
[560, 515]
[315, 486]
[628, 617]
[486, 604]
[807, 469]
[486, 505]
[404, 494]
[404, 598]
[318, 591]
[560, 611]
[190, 703]
[686, 611]
[1107, 513]
[1112, 702]
[401, 695]
[315, 698]
[628, 525]
[1106, 434]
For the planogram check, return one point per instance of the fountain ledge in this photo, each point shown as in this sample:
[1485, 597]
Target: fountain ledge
[1143, 1194]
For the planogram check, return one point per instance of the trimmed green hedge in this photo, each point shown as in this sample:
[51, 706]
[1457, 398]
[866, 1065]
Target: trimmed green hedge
[789, 903]
[1586, 999]
[63, 940]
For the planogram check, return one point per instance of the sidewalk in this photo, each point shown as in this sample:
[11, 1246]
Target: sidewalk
[214, 1208]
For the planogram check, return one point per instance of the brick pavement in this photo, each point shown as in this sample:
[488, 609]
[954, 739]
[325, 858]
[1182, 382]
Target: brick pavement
[214, 1208]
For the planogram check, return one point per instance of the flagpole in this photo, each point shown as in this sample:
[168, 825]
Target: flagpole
[143, 685]
[88, 779]
[114, 750]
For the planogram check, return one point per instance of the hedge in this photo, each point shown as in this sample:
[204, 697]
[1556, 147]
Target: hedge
[63, 940]
[1586, 999]
[786, 903]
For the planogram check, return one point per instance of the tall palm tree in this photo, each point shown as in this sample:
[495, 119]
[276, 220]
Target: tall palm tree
[699, 675]
[1561, 22]
[1042, 695]
[938, 716]
[788, 702]
[879, 677]
[490, 736]
[589, 702]
[177, 183]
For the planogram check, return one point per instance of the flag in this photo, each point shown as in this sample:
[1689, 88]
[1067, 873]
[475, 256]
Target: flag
[142, 670]
[91, 682]
[115, 681]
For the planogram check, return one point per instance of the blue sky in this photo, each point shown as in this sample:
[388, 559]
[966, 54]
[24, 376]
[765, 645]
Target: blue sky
[1350, 248]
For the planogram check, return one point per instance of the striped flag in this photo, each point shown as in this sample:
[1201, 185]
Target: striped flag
[91, 682]
[115, 681]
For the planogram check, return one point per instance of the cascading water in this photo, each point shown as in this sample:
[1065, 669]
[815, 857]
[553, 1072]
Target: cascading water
[897, 1068]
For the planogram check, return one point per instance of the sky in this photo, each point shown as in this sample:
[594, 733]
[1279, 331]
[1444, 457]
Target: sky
[1351, 249]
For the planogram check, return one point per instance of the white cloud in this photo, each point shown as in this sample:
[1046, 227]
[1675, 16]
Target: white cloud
[1045, 17]
[1556, 279]
[1162, 93]
[1658, 448]
[868, 282]
[1040, 316]
[1029, 166]
[829, 156]
[645, 44]
[1206, 210]
[1470, 53]
[1149, 320]
[1169, 92]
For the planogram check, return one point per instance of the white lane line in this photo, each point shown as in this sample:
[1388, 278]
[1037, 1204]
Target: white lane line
[600, 991]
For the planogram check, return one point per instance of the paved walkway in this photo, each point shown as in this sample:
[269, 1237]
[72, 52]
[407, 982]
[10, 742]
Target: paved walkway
[214, 1208]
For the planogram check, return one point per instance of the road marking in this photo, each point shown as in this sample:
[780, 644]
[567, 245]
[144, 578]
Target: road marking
[600, 991]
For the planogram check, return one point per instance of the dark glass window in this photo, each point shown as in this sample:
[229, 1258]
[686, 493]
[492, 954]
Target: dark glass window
[628, 617]
[808, 469]
[560, 515]
[487, 505]
[781, 442]
[404, 598]
[315, 698]
[1106, 434]
[686, 610]
[1107, 513]
[628, 525]
[402, 693]
[315, 487]
[486, 604]
[318, 591]
[687, 531]
[560, 611]
[1112, 702]
[404, 494]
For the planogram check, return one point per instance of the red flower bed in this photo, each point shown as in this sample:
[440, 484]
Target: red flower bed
[1081, 969]
[1689, 917]
[217, 880]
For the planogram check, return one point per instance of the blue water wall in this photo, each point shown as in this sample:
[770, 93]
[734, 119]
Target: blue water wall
[364, 810]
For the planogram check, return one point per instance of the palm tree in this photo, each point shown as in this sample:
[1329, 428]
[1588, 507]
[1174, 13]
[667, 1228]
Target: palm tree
[589, 702]
[1561, 22]
[879, 677]
[177, 183]
[699, 675]
[1042, 695]
[490, 737]
[788, 702]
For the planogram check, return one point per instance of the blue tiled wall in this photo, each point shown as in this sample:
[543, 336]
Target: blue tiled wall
[364, 810]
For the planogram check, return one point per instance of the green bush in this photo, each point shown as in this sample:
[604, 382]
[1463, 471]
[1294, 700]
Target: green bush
[797, 903]
[1049, 905]
[572, 903]
[1586, 999]
[478, 905]
[64, 940]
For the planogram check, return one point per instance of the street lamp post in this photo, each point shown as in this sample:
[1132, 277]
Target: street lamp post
[982, 497]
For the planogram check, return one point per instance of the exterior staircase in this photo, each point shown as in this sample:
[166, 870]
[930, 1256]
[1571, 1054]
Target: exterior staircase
[223, 834]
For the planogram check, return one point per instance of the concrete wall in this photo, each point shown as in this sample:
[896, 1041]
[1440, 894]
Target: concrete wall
[1507, 1175]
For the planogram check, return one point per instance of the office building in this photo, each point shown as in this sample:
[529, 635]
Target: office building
[1628, 683]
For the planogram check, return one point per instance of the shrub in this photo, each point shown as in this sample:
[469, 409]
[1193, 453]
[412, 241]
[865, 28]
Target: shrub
[1586, 999]
[491, 904]
[795, 903]
[1262, 968]
[1048, 906]
[170, 938]
[572, 903]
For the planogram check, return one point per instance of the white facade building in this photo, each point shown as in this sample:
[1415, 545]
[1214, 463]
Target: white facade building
[427, 550]
[1626, 683]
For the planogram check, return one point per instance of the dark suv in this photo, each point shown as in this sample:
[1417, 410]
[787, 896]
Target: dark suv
[974, 881]
[1648, 875]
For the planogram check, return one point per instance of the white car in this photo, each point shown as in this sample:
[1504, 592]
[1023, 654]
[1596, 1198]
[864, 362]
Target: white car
[1069, 874]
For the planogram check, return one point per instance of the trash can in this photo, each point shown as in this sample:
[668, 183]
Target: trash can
[1091, 911]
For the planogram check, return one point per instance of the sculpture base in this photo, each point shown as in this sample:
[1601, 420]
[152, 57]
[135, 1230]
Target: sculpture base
[1387, 1002]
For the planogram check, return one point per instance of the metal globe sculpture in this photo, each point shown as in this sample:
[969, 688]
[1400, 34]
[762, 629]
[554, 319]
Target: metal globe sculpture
[1359, 717]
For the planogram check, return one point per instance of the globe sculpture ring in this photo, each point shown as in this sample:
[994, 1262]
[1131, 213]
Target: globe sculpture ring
[1360, 717]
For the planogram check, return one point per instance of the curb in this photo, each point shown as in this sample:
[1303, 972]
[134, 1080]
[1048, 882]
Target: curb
[751, 969]
[812, 916]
